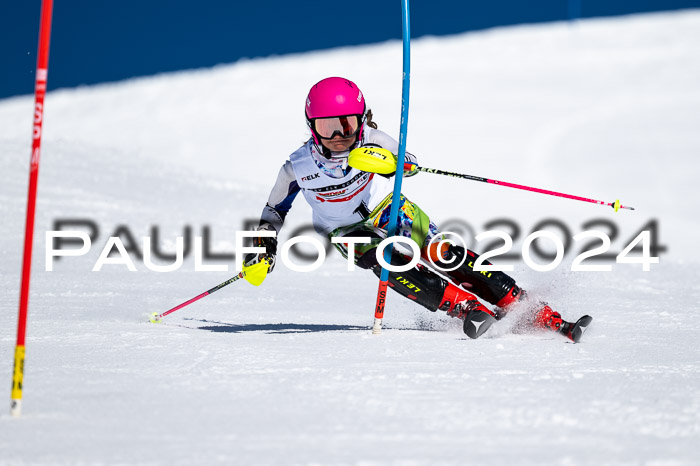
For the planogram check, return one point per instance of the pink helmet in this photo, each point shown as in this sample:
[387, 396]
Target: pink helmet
[334, 97]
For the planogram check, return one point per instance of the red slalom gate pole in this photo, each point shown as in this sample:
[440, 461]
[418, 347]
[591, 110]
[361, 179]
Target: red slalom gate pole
[42, 67]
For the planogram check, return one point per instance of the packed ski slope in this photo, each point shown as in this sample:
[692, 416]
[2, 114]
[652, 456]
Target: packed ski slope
[289, 373]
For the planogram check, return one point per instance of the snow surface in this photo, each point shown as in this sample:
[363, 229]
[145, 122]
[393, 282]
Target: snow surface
[289, 373]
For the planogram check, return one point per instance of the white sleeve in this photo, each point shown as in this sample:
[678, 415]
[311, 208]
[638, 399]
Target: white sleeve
[281, 197]
[375, 136]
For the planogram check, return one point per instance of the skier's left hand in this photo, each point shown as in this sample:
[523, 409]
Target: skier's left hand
[413, 170]
[270, 245]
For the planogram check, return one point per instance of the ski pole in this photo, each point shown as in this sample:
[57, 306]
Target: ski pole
[615, 205]
[255, 274]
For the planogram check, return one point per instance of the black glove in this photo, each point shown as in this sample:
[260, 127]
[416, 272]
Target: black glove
[270, 245]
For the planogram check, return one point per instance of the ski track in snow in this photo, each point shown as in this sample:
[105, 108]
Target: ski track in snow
[289, 373]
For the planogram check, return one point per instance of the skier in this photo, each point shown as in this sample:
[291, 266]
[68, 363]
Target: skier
[349, 202]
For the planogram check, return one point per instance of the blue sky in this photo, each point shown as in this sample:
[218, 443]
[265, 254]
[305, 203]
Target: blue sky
[94, 41]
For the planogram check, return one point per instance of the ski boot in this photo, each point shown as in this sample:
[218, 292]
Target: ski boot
[548, 319]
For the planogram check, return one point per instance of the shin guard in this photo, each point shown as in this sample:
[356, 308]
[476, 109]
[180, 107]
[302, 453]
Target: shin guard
[493, 287]
[433, 292]
[418, 284]
[430, 290]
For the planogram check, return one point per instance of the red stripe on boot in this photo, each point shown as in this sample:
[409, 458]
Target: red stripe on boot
[547, 318]
[513, 295]
[453, 296]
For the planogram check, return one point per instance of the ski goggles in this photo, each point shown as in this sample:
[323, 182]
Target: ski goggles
[344, 126]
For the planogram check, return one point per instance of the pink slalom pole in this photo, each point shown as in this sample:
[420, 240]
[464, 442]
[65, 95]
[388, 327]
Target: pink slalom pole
[186, 303]
[155, 317]
[554, 193]
[615, 205]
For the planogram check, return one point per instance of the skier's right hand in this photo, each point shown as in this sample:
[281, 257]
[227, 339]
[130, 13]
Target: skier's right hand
[270, 245]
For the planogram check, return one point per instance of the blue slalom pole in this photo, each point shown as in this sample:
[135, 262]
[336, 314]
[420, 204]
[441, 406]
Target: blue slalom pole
[398, 178]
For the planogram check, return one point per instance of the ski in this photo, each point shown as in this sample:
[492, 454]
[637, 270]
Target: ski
[477, 322]
[574, 331]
